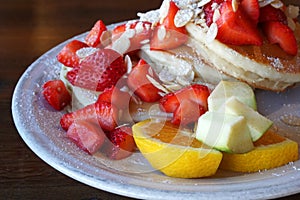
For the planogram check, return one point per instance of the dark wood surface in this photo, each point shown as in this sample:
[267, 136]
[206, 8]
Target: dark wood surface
[28, 28]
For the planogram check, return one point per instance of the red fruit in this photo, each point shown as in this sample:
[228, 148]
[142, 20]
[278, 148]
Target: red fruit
[88, 136]
[251, 8]
[280, 33]
[93, 38]
[196, 93]
[269, 13]
[140, 84]
[169, 103]
[209, 12]
[186, 104]
[142, 32]
[121, 143]
[67, 56]
[234, 27]
[172, 36]
[115, 96]
[102, 113]
[56, 94]
[98, 71]
[187, 112]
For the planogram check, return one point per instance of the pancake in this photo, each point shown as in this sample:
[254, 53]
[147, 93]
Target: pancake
[183, 57]
[266, 67]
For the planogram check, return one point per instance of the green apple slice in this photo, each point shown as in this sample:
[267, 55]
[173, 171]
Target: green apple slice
[225, 132]
[257, 123]
[226, 89]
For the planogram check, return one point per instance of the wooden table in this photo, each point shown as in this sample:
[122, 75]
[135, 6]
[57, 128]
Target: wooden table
[28, 28]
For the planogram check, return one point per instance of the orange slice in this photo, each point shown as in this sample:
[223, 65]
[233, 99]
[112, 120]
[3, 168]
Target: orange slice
[174, 151]
[271, 150]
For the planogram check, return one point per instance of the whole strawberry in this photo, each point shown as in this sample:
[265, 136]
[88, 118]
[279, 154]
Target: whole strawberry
[98, 71]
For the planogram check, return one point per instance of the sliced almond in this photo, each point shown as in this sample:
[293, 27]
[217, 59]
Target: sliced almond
[202, 3]
[212, 32]
[105, 38]
[128, 63]
[216, 15]
[157, 84]
[161, 33]
[121, 45]
[277, 4]
[86, 51]
[182, 17]
[164, 9]
[235, 5]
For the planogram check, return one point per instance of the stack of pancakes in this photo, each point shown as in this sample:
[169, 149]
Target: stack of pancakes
[266, 67]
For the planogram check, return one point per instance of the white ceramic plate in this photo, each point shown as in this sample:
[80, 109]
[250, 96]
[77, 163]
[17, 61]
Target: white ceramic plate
[38, 125]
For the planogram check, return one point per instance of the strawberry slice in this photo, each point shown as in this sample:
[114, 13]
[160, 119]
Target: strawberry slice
[269, 13]
[88, 136]
[115, 96]
[139, 83]
[166, 35]
[187, 112]
[234, 27]
[251, 8]
[196, 93]
[169, 103]
[280, 33]
[102, 113]
[93, 38]
[141, 29]
[121, 143]
[186, 104]
[67, 56]
[98, 71]
[56, 94]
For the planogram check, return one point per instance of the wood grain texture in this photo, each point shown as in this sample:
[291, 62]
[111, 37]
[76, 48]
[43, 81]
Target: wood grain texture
[28, 28]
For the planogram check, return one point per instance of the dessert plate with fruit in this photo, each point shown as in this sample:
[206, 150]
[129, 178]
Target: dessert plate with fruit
[197, 99]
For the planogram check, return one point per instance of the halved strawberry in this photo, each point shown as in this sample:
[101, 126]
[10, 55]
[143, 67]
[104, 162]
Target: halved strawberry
[280, 33]
[56, 94]
[234, 27]
[93, 38]
[139, 83]
[98, 71]
[142, 32]
[67, 56]
[121, 143]
[166, 35]
[115, 96]
[186, 104]
[251, 8]
[102, 113]
[269, 13]
[88, 136]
